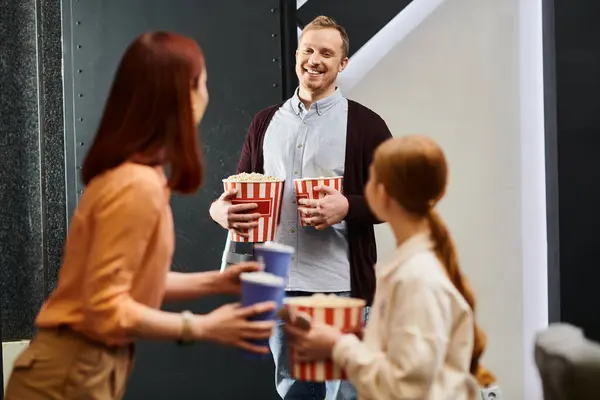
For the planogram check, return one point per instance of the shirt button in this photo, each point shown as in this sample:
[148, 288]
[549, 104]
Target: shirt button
[300, 145]
[292, 230]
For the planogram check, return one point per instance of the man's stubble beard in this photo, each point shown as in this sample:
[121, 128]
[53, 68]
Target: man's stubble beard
[316, 88]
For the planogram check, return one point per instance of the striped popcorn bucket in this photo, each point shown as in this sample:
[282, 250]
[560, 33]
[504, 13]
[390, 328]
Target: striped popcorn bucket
[347, 315]
[305, 189]
[267, 195]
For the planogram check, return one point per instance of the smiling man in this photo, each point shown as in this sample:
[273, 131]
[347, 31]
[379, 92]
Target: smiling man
[318, 132]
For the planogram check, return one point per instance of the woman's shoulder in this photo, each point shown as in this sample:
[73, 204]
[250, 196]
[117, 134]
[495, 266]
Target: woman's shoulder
[131, 174]
[127, 182]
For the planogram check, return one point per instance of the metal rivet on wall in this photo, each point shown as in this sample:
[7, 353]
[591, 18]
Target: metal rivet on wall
[80, 143]
[273, 35]
[274, 60]
[80, 119]
[81, 191]
[78, 22]
[275, 85]
[78, 46]
[273, 10]
[79, 167]
[80, 94]
[79, 71]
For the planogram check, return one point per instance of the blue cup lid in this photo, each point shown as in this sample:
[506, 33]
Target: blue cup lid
[262, 278]
[274, 246]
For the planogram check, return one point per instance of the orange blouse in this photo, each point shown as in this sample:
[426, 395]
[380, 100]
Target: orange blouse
[117, 255]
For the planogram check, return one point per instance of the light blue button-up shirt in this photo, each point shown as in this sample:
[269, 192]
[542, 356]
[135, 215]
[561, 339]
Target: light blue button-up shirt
[301, 143]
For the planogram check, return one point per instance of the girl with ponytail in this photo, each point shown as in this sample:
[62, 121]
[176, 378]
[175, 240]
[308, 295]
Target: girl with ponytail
[422, 341]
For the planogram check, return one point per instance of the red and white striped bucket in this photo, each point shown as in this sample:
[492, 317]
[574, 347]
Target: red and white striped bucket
[268, 196]
[343, 313]
[305, 189]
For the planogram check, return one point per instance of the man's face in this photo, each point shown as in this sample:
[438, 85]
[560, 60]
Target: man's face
[319, 59]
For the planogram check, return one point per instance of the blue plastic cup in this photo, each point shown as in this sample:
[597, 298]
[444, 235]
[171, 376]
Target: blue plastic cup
[258, 287]
[275, 258]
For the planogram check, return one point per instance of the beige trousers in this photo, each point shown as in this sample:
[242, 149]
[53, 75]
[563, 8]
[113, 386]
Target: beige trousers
[60, 364]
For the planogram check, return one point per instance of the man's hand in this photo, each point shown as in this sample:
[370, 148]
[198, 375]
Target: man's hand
[328, 211]
[234, 217]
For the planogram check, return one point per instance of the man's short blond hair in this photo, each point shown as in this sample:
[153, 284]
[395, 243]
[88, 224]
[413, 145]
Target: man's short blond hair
[323, 22]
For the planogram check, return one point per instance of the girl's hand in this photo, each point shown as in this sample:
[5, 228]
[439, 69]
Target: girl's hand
[313, 345]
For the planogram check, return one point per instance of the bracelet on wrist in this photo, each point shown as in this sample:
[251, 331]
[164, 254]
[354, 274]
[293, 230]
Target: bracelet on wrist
[187, 336]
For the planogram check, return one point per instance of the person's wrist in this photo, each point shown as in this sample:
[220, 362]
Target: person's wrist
[335, 338]
[212, 211]
[205, 283]
[186, 336]
[346, 207]
[219, 214]
[342, 347]
[201, 328]
[214, 282]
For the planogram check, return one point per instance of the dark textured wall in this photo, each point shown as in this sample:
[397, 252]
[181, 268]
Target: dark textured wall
[241, 42]
[576, 62]
[551, 142]
[32, 191]
[44, 137]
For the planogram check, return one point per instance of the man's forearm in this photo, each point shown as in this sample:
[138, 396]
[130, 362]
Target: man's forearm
[188, 286]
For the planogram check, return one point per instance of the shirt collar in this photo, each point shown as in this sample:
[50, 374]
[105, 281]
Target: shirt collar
[320, 106]
[414, 245]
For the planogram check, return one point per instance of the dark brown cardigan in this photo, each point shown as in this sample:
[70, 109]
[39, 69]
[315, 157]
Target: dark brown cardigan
[366, 130]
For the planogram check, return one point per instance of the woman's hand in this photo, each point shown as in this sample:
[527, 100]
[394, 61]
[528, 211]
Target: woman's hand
[229, 325]
[313, 345]
[229, 282]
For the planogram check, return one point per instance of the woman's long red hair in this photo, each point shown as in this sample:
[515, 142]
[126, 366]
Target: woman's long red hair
[414, 172]
[148, 116]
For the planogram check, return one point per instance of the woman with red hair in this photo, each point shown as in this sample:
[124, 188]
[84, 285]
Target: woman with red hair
[421, 341]
[115, 271]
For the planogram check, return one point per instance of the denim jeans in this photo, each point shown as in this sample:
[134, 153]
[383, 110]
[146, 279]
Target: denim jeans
[290, 389]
